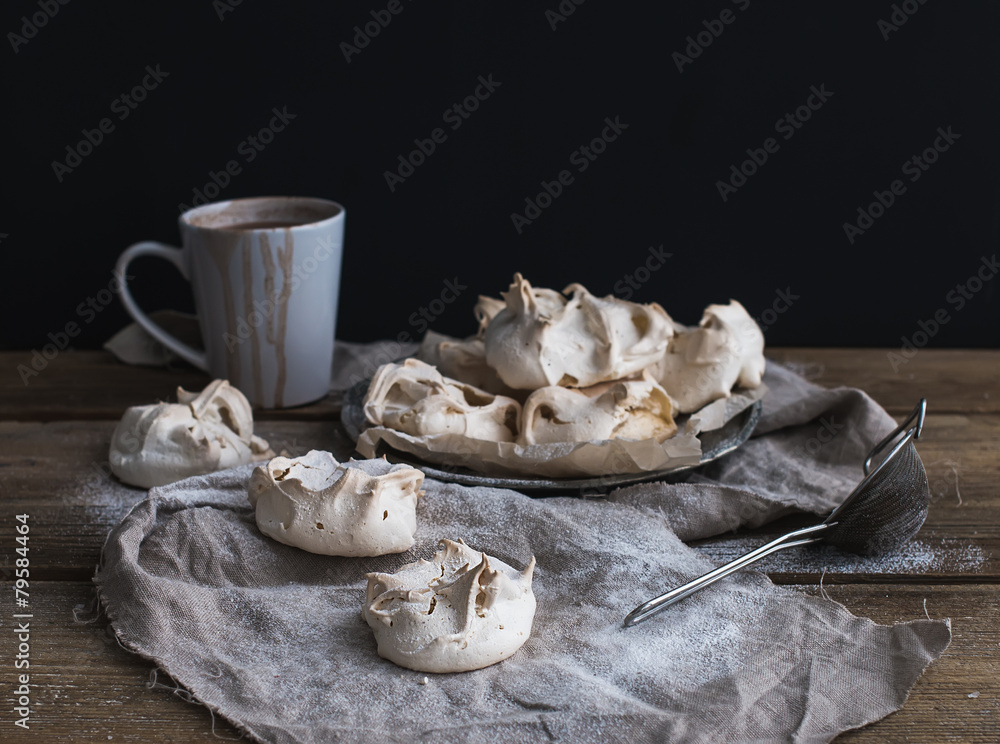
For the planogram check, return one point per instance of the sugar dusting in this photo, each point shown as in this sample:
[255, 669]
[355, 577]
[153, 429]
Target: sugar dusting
[274, 624]
[580, 676]
[103, 498]
[596, 562]
[944, 555]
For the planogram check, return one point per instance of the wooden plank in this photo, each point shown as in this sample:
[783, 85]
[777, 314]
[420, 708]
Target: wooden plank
[94, 385]
[86, 687]
[90, 689]
[57, 472]
[952, 380]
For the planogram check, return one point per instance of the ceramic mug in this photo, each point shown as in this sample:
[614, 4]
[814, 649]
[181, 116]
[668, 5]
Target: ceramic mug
[266, 277]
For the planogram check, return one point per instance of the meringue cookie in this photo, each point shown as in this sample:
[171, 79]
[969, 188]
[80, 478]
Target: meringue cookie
[462, 360]
[413, 397]
[161, 443]
[703, 364]
[737, 320]
[540, 338]
[361, 508]
[459, 611]
[485, 310]
[627, 409]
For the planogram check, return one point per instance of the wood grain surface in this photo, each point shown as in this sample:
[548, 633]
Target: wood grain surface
[54, 437]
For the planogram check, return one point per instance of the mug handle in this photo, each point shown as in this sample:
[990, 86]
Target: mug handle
[175, 256]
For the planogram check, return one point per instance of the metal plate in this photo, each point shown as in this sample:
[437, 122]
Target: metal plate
[714, 444]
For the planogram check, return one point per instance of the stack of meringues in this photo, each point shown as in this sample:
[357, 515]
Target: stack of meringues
[549, 367]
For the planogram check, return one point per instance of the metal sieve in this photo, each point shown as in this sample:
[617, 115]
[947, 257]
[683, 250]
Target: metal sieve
[881, 514]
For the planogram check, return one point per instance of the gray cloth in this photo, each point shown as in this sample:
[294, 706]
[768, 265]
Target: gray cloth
[272, 637]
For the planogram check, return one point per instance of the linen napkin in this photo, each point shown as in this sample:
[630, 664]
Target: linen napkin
[271, 637]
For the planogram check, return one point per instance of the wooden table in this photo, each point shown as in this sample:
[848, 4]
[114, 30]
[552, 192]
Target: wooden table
[54, 437]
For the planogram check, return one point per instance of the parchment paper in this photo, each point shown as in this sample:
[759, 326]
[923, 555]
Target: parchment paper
[565, 459]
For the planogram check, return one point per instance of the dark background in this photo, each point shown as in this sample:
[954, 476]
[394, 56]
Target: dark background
[655, 185]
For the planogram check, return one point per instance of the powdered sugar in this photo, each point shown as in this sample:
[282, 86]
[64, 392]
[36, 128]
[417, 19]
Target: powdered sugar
[273, 637]
[919, 556]
[743, 658]
[104, 499]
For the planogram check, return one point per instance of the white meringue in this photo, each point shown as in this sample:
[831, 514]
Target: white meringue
[737, 320]
[413, 397]
[161, 443]
[485, 310]
[459, 611]
[540, 338]
[627, 409]
[461, 360]
[361, 508]
[703, 364]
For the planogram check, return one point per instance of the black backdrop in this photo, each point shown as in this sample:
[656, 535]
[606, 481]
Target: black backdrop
[885, 82]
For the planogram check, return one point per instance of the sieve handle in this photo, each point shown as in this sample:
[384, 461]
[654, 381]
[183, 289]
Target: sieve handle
[805, 536]
[916, 415]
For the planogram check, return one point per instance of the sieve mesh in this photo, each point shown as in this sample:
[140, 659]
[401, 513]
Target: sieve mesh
[883, 512]
[888, 511]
